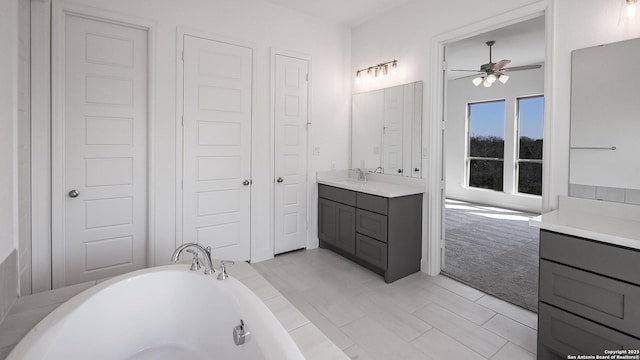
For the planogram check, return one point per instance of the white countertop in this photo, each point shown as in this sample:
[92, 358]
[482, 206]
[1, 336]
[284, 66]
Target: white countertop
[389, 186]
[611, 223]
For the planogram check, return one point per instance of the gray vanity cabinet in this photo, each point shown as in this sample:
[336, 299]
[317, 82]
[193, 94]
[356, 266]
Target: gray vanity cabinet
[379, 233]
[589, 298]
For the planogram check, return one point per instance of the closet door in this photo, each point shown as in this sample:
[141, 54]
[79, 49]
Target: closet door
[104, 171]
[290, 152]
[217, 146]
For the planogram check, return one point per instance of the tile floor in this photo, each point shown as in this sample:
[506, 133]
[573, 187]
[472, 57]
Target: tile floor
[418, 317]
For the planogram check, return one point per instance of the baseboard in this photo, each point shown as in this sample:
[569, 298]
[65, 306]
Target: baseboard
[8, 283]
[424, 267]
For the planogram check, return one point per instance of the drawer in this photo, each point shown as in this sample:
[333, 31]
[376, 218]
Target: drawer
[566, 334]
[372, 251]
[377, 204]
[604, 300]
[343, 196]
[371, 224]
[609, 260]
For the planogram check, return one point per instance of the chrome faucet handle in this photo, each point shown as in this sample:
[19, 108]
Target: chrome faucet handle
[223, 270]
[359, 172]
[195, 262]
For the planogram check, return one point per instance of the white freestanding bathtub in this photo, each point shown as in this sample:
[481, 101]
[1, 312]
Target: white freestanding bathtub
[159, 313]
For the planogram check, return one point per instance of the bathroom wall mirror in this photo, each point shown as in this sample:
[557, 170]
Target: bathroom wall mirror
[386, 130]
[605, 116]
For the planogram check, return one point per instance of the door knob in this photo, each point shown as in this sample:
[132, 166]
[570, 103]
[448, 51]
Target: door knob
[416, 169]
[399, 171]
[74, 193]
[279, 180]
[246, 182]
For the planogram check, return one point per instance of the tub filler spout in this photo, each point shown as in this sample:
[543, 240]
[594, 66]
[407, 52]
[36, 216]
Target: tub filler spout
[205, 252]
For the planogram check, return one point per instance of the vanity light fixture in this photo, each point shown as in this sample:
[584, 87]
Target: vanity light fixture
[378, 71]
[631, 9]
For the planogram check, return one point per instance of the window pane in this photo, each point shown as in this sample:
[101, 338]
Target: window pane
[530, 178]
[486, 129]
[531, 121]
[486, 174]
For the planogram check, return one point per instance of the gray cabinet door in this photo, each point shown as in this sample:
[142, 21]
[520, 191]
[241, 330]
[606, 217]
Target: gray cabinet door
[327, 221]
[346, 228]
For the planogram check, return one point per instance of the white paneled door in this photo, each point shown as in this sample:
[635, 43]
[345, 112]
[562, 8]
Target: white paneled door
[291, 117]
[105, 146]
[217, 147]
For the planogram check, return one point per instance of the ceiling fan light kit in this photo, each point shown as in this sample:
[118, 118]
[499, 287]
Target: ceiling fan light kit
[490, 72]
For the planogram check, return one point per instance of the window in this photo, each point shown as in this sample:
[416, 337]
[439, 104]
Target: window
[485, 159]
[530, 137]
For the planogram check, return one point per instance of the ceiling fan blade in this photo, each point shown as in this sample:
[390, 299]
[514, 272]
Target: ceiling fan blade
[500, 64]
[463, 70]
[471, 76]
[518, 68]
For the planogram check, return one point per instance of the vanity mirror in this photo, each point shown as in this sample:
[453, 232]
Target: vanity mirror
[605, 119]
[386, 130]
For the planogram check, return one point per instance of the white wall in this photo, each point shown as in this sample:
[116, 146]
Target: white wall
[264, 25]
[8, 152]
[459, 94]
[579, 24]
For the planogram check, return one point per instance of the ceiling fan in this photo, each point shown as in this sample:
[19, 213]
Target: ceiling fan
[490, 72]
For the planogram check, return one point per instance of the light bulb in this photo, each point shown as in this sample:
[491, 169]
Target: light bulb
[503, 78]
[477, 81]
[631, 9]
[486, 82]
[369, 74]
[491, 79]
[394, 68]
[358, 80]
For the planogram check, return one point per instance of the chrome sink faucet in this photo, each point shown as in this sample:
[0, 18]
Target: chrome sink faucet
[205, 252]
[361, 174]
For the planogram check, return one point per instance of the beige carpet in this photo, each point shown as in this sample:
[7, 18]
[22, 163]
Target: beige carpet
[494, 250]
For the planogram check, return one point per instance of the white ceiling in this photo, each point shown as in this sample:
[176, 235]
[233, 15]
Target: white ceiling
[522, 43]
[345, 12]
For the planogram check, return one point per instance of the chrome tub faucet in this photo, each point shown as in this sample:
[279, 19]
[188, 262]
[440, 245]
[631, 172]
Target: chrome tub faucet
[205, 252]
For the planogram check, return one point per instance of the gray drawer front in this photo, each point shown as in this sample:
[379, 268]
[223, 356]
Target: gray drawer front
[371, 224]
[373, 203]
[372, 251]
[336, 194]
[613, 261]
[566, 334]
[607, 301]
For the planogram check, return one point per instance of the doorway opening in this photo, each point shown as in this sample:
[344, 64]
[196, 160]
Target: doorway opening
[492, 160]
